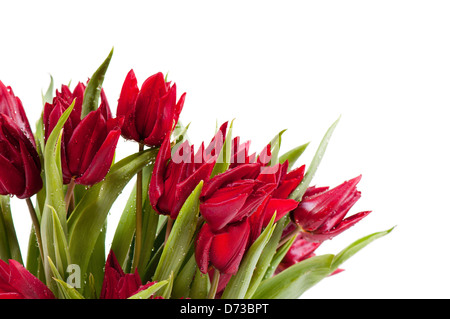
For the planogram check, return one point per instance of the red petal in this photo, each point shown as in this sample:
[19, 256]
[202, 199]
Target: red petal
[202, 248]
[228, 247]
[127, 105]
[101, 163]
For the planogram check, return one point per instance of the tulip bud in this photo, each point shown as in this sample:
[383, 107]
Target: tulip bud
[88, 144]
[151, 112]
[176, 176]
[321, 214]
[20, 166]
[222, 250]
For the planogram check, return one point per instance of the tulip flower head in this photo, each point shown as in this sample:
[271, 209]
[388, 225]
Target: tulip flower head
[321, 215]
[176, 176]
[20, 166]
[88, 144]
[117, 284]
[16, 282]
[150, 112]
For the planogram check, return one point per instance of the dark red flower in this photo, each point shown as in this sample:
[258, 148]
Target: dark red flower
[222, 250]
[233, 195]
[321, 214]
[18, 283]
[20, 166]
[176, 176]
[88, 144]
[117, 284]
[151, 112]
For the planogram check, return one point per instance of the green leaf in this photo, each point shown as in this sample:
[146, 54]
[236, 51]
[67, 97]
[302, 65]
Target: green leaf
[54, 201]
[126, 228]
[68, 291]
[298, 193]
[180, 237]
[356, 246]
[65, 290]
[224, 158]
[94, 87]
[147, 293]
[180, 133]
[61, 254]
[294, 281]
[275, 145]
[239, 283]
[293, 155]
[278, 257]
[9, 245]
[86, 221]
[200, 286]
[182, 284]
[48, 96]
[266, 257]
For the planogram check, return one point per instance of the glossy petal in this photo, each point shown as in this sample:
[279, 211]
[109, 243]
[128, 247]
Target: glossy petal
[228, 247]
[16, 282]
[101, 163]
[127, 105]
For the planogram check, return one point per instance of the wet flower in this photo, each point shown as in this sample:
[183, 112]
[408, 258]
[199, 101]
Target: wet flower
[117, 284]
[16, 282]
[321, 215]
[150, 112]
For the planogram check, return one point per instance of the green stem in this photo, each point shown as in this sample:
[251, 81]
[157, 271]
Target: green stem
[138, 241]
[214, 284]
[69, 194]
[36, 225]
[168, 228]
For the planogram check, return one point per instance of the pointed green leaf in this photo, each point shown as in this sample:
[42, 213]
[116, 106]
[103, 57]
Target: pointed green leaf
[294, 281]
[298, 193]
[61, 253]
[69, 291]
[180, 133]
[147, 293]
[94, 87]
[239, 283]
[266, 257]
[54, 200]
[278, 257]
[352, 249]
[9, 245]
[182, 284]
[86, 221]
[48, 96]
[200, 286]
[180, 237]
[224, 158]
[293, 155]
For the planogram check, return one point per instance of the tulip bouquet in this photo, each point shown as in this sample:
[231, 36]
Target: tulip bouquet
[216, 221]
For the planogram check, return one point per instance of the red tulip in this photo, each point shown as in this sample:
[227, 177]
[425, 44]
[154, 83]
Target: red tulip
[233, 195]
[18, 283]
[88, 144]
[222, 250]
[240, 153]
[151, 112]
[20, 167]
[175, 177]
[321, 215]
[11, 106]
[117, 284]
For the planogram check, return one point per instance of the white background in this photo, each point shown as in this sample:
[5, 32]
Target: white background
[297, 65]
